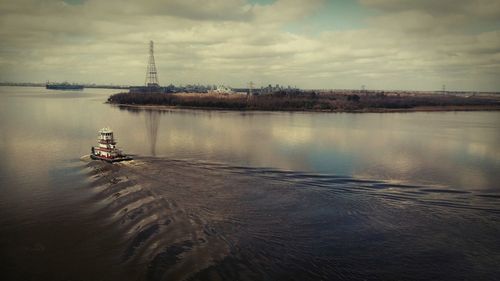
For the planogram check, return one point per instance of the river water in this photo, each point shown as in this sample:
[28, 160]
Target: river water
[221, 195]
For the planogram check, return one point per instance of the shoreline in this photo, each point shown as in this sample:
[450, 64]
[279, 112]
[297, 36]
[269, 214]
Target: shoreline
[451, 108]
[307, 102]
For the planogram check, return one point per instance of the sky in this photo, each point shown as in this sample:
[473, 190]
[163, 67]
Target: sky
[313, 44]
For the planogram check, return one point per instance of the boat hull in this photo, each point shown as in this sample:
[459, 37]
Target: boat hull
[111, 160]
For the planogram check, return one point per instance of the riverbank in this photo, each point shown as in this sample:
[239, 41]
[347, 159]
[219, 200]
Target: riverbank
[366, 110]
[309, 101]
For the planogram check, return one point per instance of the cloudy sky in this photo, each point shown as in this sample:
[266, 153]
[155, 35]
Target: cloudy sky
[383, 44]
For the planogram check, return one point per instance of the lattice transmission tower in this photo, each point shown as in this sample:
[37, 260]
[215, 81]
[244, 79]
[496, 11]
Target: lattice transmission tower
[151, 73]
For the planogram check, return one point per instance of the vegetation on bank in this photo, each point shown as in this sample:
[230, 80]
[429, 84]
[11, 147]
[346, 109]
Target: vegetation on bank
[305, 101]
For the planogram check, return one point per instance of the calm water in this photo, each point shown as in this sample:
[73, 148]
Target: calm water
[246, 196]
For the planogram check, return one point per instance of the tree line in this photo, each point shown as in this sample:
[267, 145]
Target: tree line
[300, 100]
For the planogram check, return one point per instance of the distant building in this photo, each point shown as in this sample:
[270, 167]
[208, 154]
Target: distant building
[222, 90]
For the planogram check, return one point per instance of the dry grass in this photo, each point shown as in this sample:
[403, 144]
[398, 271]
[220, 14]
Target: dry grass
[310, 101]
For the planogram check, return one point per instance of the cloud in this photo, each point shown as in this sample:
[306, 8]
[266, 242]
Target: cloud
[443, 15]
[286, 10]
[199, 10]
[473, 8]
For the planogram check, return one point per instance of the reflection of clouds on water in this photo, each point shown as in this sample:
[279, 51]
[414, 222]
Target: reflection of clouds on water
[152, 124]
[482, 150]
[402, 147]
[292, 135]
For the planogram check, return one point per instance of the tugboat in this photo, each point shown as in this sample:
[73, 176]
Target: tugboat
[107, 150]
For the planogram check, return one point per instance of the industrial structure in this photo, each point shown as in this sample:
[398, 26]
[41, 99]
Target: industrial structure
[151, 73]
[151, 84]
